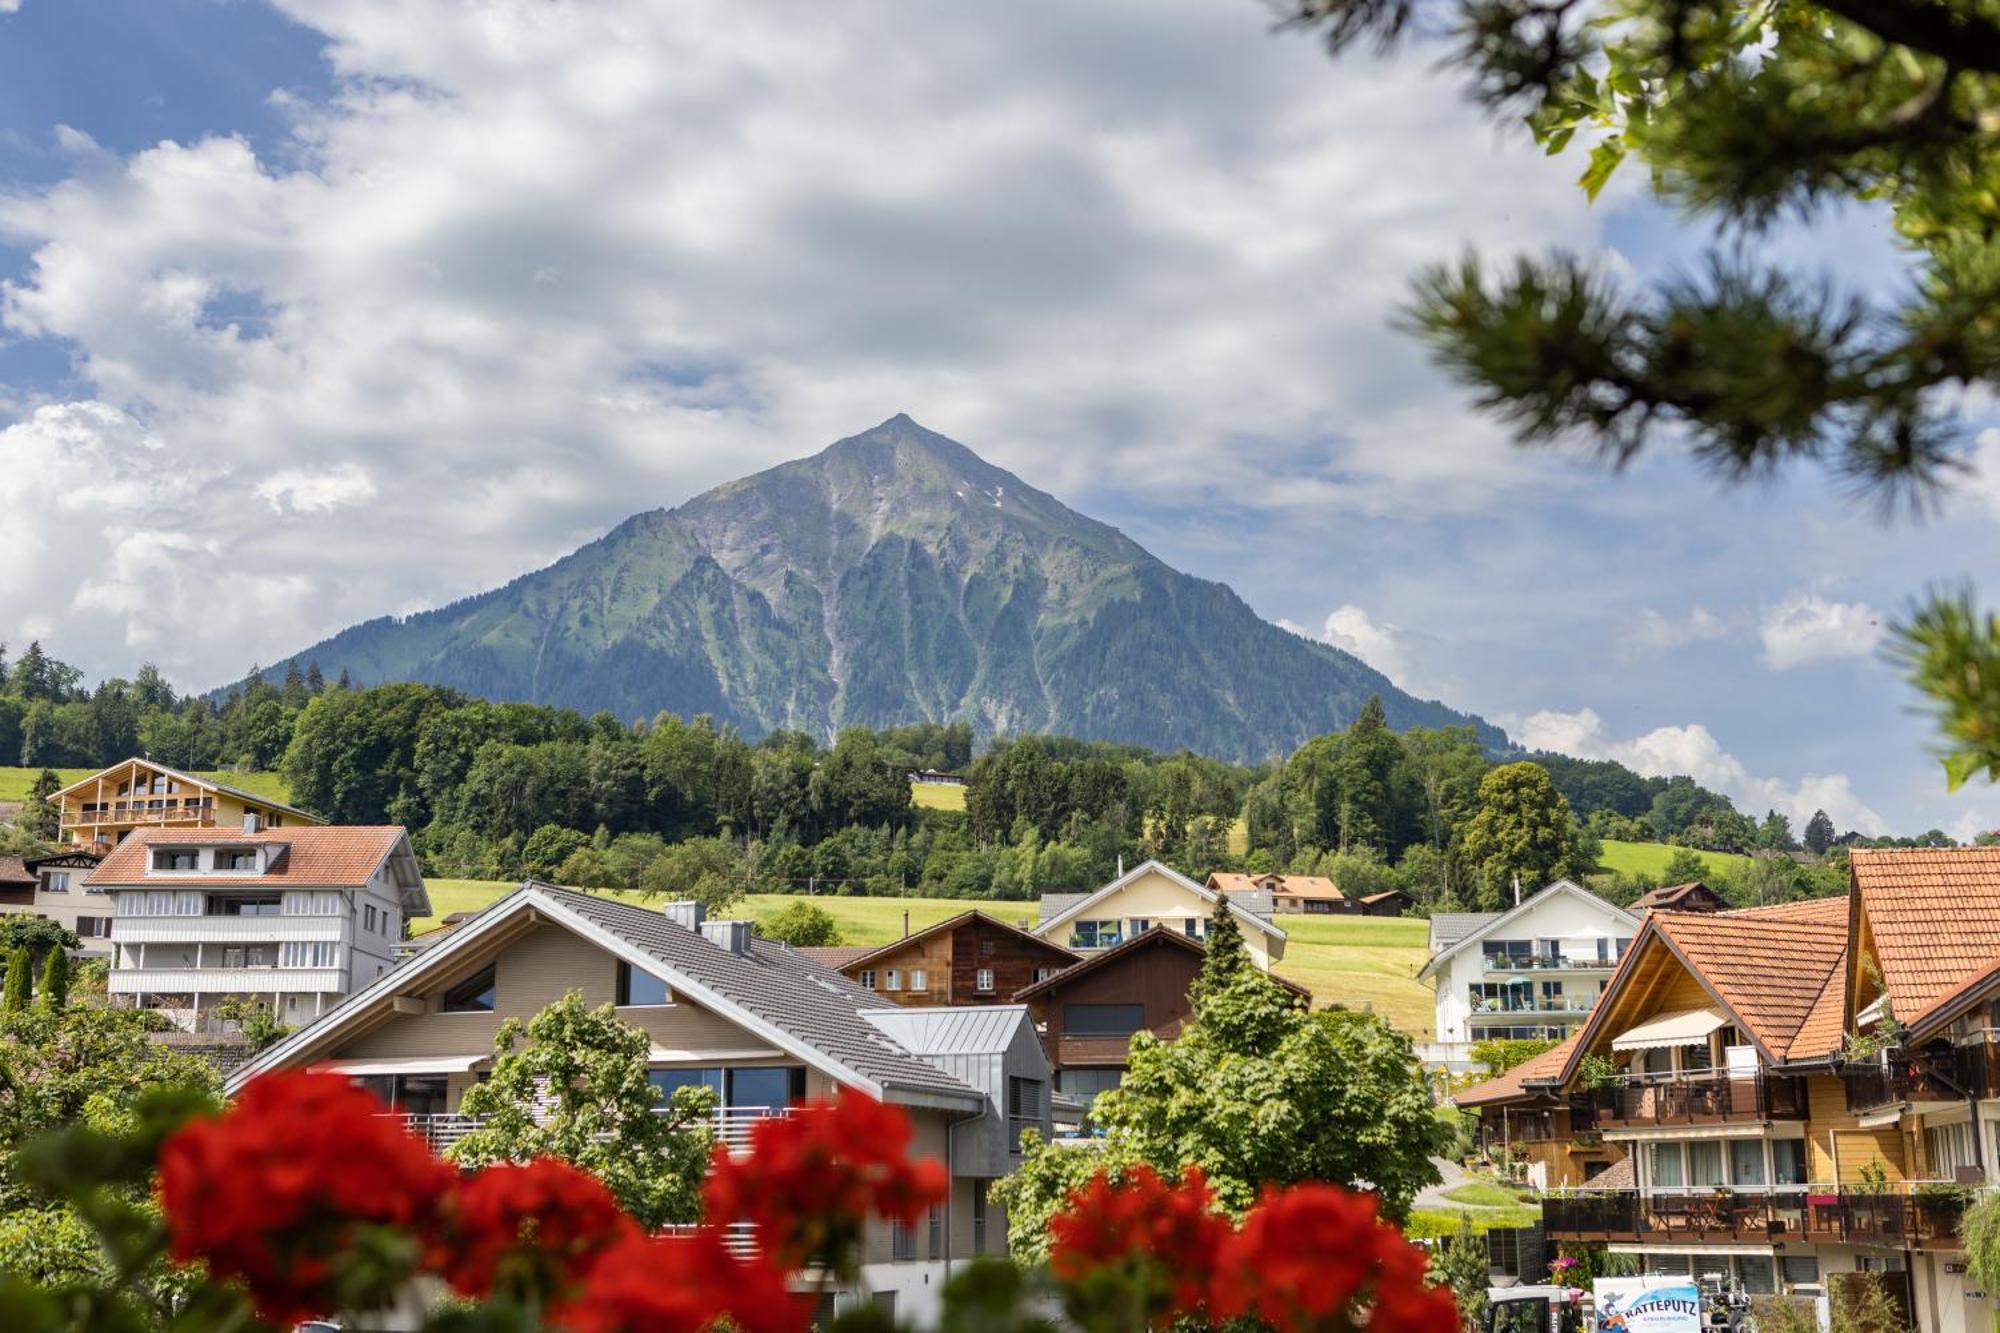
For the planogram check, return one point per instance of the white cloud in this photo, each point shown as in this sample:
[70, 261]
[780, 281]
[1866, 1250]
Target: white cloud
[1653, 629]
[1694, 751]
[1806, 628]
[309, 491]
[596, 257]
[1379, 644]
[1982, 484]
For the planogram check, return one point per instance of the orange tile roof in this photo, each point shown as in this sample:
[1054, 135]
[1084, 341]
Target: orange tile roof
[1769, 965]
[1620, 1175]
[1512, 1085]
[1831, 911]
[1297, 886]
[1933, 917]
[1825, 1028]
[332, 854]
[1972, 988]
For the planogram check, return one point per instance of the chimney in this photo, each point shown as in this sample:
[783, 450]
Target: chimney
[906, 923]
[686, 915]
[252, 822]
[733, 936]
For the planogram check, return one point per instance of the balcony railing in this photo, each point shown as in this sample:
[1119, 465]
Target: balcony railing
[1483, 1006]
[1940, 1074]
[730, 1124]
[1543, 962]
[1926, 1217]
[740, 1238]
[158, 810]
[1707, 1097]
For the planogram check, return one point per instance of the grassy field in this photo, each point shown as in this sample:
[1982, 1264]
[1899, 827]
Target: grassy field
[1361, 962]
[1650, 858]
[15, 782]
[937, 796]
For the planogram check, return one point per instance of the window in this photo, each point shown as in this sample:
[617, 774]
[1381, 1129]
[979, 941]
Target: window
[56, 881]
[93, 927]
[1044, 973]
[892, 980]
[902, 1241]
[986, 947]
[936, 1229]
[1746, 1163]
[1788, 1162]
[1667, 1165]
[979, 1216]
[1192, 927]
[1800, 1268]
[1755, 1271]
[1950, 1147]
[165, 858]
[368, 917]
[1095, 935]
[1103, 1020]
[640, 988]
[868, 978]
[234, 905]
[309, 953]
[235, 859]
[1086, 1084]
[1705, 1164]
[917, 979]
[320, 903]
[983, 979]
[770, 1088]
[1141, 924]
[474, 995]
[1024, 1108]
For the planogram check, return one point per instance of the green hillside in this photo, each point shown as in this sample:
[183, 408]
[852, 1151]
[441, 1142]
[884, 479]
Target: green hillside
[937, 796]
[1650, 858]
[1361, 962]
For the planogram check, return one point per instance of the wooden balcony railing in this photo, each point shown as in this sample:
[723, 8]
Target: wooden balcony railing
[1926, 1217]
[1707, 1097]
[155, 810]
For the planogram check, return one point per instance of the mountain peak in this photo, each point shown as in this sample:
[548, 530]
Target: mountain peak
[894, 576]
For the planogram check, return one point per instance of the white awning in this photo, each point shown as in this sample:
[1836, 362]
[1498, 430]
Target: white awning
[1688, 1027]
[409, 1064]
[660, 1055]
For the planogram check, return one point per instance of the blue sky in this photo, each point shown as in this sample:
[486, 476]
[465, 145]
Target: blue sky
[318, 311]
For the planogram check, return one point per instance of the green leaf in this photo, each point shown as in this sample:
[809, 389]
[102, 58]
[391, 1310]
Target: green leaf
[1604, 160]
[1961, 767]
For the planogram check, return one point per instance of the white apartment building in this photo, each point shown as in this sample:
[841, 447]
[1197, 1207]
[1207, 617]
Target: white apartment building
[1533, 971]
[295, 918]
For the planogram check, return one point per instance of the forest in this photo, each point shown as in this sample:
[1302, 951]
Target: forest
[684, 806]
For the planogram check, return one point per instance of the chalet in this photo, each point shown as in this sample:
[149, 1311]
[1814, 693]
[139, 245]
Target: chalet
[758, 1022]
[1389, 902]
[1089, 1013]
[100, 810]
[1149, 895]
[17, 885]
[63, 894]
[971, 958]
[1690, 897]
[1287, 894]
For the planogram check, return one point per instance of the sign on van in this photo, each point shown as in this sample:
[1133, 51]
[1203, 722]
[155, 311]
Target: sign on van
[1658, 1303]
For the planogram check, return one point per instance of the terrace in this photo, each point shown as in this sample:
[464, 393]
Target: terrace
[1695, 1097]
[1923, 1216]
[1939, 1074]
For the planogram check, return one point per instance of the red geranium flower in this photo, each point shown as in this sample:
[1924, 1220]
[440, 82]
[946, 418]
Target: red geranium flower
[814, 1176]
[277, 1189]
[1140, 1236]
[681, 1284]
[1315, 1255]
[531, 1231]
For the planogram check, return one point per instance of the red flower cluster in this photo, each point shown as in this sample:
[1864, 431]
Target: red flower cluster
[1306, 1258]
[287, 1177]
[683, 1284]
[531, 1231]
[812, 1178]
[1143, 1231]
[1314, 1255]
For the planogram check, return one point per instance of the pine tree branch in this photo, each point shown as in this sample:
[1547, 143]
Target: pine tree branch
[1949, 32]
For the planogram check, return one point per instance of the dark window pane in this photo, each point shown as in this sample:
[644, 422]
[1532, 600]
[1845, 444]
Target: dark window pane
[667, 1080]
[760, 1087]
[637, 987]
[475, 994]
[1103, 1020]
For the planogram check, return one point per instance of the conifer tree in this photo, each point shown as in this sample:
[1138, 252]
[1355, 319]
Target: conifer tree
[55, 981]
[17, 992]
[39, 815]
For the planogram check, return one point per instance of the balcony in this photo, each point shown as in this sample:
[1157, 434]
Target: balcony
[1485, 1007]
[198, 811]
[224, 929]
[1941, 1074]
[730, 1125]
[1925, 1217]
[1705, 1098]
[226, 981]
[1545, 963]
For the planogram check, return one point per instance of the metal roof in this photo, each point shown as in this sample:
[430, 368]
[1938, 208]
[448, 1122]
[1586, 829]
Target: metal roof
[985, 1029]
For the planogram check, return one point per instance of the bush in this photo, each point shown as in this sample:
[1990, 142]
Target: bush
[801, 925]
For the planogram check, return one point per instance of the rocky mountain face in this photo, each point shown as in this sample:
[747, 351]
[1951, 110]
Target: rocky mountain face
[893, 577]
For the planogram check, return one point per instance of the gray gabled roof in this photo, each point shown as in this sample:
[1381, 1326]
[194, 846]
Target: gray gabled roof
[796, 1003]
[1448, 928]
[1055, 904]
[775, 983]
[1257, 902]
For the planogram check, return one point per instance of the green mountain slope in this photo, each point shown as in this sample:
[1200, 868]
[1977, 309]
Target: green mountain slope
[894, 576]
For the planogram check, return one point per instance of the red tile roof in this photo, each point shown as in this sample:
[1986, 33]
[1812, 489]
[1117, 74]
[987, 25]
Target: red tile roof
[332, 854]
[1933, 917]
[1769, 965]
[14, 873]
[1295, 886]
[1511, 1086]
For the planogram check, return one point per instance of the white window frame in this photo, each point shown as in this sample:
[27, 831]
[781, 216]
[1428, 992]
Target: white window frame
[983, 980]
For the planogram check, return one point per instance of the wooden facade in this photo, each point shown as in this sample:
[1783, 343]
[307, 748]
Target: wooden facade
[971, 958]
[99, 811]
[1151, 973]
